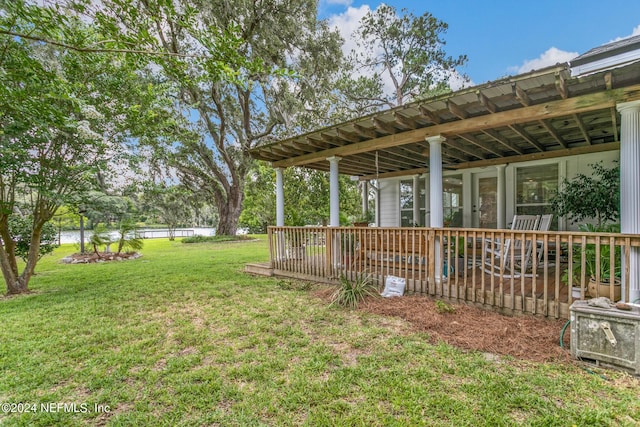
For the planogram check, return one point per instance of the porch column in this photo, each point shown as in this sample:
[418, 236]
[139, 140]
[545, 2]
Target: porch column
[365, 198]
[416, 199]
[334, 192]
[630, 188]
[279, 198]
[435, 180]
[427, 200]
[501, 198]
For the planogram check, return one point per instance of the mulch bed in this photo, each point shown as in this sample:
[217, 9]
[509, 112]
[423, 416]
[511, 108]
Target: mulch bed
[91, 257]
[471, 328]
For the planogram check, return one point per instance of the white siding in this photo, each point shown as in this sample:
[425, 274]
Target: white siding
[390, 202]
[568, 167]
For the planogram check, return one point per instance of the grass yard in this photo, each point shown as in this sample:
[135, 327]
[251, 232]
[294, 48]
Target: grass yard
[181, 337]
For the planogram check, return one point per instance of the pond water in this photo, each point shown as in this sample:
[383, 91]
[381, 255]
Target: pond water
[73, 236]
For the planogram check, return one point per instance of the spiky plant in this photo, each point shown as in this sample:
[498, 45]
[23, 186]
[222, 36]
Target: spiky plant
[351, 292]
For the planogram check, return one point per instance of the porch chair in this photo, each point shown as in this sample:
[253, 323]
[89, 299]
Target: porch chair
[497, 255]
[543, 225]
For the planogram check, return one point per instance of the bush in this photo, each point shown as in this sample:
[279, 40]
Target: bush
[213, 239]
[596, 196]
[350, 293]
[21, 227]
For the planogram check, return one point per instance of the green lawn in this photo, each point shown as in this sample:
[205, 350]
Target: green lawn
[182, 337]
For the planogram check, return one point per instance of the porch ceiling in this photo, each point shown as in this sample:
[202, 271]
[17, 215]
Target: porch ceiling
[542, 114]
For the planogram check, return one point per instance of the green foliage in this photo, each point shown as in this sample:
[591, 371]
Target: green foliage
[407, 51]
[173, 204]
[306, 198]
[233, 82]
[100, 237]
[214, 239]
[591, 257]
[596, 196]
[442, 307]
[135, 335]
[21, 228]
[351, 292]
[57, 115]
[128, 237]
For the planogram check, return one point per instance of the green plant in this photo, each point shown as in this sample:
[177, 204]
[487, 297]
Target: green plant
[351, 292]
[100, 237]
[442, 307]
[596, 196]
[459, 244]
[21, 227]
[591, 257]
[128, 237]
[367, 217]
[214, 239]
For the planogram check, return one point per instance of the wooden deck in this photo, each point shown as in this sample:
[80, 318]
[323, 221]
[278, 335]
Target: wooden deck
[428, 260]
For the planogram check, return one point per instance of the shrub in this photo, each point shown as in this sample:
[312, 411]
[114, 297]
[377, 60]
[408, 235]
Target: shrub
[205, 239]
[351, 292]
[21, 227]
[442, 307]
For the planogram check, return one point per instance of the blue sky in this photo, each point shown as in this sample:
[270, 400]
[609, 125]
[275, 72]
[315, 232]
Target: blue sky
[502, 37]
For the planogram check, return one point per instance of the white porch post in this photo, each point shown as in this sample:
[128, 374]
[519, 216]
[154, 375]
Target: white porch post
[427, 200]
[416, 199]
[501, 202]
[435, 196]
[630, 187]
[279, 198]
[365, 198]
[334, 192]
[435, 180]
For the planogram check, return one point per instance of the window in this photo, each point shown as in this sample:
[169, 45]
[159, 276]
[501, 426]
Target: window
[535, 186]
[406, 203]
[452, 200]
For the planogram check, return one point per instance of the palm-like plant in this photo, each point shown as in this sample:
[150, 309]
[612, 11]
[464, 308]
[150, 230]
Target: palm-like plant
[351, 292]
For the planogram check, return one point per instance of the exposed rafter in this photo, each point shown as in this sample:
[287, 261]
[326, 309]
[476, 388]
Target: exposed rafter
[537, 114]
[582, 127]
[430, 115]
[521, 95]
[502, 140]
[553, 133]
[520, 131]
[384, 127]
[487, 147]
[486, 102]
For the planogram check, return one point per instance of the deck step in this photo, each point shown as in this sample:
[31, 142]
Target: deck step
[262, 269]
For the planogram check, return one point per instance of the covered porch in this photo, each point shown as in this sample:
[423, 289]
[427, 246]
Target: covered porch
[562, 112]
[451, 263]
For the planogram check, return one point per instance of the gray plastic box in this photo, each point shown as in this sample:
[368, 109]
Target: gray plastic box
[610, 337]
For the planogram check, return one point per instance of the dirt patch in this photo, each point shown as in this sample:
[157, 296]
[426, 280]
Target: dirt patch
[471, 328]
[91, 257]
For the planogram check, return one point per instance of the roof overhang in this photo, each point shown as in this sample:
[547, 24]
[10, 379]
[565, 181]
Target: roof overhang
[541, 114]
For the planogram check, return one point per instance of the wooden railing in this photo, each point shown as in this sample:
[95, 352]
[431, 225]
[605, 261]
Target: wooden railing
[511, 271]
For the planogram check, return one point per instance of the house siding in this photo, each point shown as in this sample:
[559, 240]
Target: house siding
[568, 167]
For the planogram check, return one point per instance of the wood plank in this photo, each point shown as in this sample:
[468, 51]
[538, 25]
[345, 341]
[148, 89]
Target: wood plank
[554, 109]
[520, 131]
[598, 148]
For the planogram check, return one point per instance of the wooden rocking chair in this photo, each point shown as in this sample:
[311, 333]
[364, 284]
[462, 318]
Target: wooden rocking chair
[506, 258]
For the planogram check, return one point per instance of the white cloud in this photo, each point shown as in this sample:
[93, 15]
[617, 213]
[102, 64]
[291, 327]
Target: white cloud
[634, 32]
[552, 56]
[347, 23]
[339, 2]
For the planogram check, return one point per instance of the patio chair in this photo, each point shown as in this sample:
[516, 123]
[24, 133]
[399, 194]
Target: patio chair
[505, 257]
[543, 225]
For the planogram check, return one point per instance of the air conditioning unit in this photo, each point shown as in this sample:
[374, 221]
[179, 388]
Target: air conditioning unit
[608, 337]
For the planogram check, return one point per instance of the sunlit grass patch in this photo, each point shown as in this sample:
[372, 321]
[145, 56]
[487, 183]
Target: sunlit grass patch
[182, 337]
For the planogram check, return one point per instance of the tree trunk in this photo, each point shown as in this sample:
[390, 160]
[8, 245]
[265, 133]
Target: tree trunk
[19, 286]
[229, 213]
